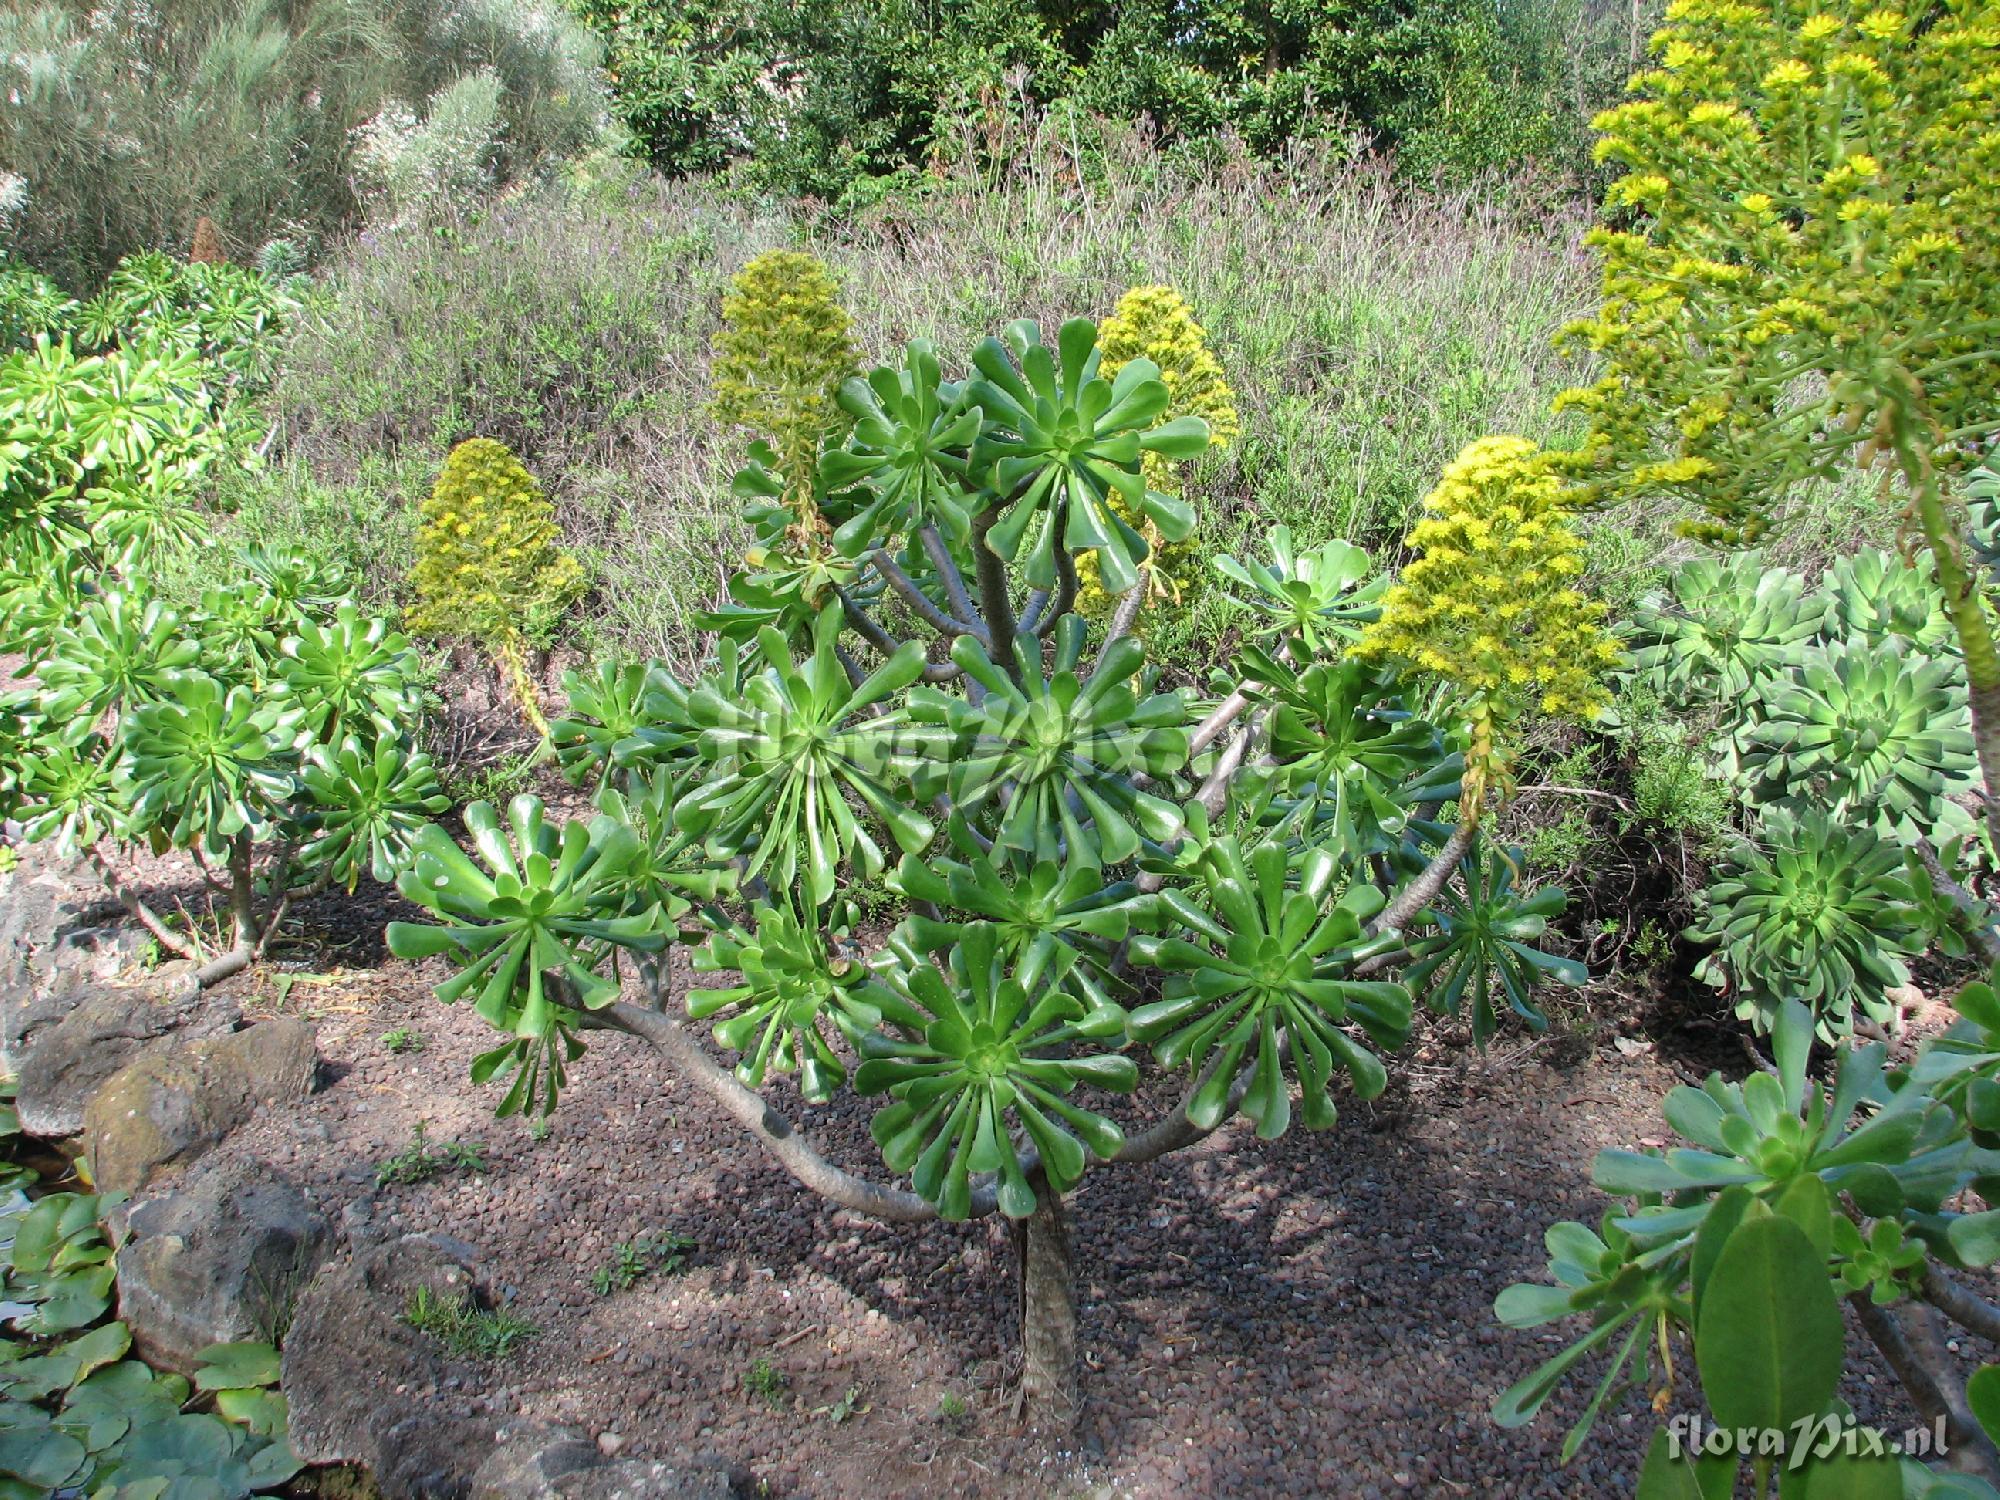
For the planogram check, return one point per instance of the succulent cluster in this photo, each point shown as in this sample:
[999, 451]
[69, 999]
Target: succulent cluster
[275, 717]
[1087, 874]
[1837, 717]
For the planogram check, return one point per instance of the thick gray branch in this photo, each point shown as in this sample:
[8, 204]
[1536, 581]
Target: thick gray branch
[773, 1131]
[994, 602]
[1129, 604]
[948, 574]
[1223, 715]
[872, 632]
[1420, 892]
[1909, 1342]
[1961, 1304]
[919, 601]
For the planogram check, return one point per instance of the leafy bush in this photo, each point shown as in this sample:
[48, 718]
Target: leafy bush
[229, 316]
[865, 92]
[1097, 829]
[269, 717]
[103, 451]
[271, 713]
[246, 114]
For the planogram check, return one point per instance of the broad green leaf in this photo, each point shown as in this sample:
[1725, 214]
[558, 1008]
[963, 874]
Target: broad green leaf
[1771, 1342]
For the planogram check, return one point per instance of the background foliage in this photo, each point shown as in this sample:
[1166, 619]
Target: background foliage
[843, 99]
[251, 112]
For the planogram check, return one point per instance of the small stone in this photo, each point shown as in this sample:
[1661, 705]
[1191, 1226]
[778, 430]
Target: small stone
[610, 1444]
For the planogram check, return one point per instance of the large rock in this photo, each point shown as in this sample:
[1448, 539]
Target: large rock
[219, 1260]
[541, 1463]
[531, 1460]
[61, 940]
[648, 1479]
[179, 1096]
[359, 1379]
[63, 1064]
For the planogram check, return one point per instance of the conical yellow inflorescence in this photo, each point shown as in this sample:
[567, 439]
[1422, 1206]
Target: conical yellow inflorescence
[489, 565]
[1156, 323]
[1489, 601]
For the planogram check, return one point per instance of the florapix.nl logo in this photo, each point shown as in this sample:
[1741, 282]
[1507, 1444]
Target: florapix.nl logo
[1690, 1435]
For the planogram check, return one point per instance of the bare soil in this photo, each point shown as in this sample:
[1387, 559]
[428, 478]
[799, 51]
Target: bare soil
[1309, 1317]
[1306, 1317]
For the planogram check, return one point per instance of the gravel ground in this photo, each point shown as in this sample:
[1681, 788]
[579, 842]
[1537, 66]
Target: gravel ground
[1310, 1317]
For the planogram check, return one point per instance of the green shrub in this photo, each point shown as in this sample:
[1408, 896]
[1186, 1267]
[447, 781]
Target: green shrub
[867, 92]
[246, 113]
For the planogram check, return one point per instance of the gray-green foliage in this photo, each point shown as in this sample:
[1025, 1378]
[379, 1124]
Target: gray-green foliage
[246, 110]
[1811, 909]
[1827, 715]
[1876, 734]
[1723, 627]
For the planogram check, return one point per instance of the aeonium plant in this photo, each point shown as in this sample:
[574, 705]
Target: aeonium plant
[1716, 1287]
[270, 734]
[1098, 872]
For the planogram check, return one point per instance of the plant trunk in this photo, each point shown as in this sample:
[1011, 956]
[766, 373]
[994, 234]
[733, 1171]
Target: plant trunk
[243, 933]
[1048, 1313]
[1962, 602]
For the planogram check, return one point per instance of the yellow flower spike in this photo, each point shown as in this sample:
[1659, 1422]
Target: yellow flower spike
[487, 565]
[1493, 551]
[784, 348]
[1156, 323]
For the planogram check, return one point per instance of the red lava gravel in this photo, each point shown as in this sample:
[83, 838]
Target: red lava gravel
[1307, 1317]
[1310, 1317]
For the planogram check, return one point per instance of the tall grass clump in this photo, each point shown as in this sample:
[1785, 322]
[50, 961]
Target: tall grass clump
[128, 123]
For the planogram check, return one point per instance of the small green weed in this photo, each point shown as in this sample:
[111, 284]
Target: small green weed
[464, 1329]
[403, 1039]
[635, 1259]
[497, 782]
[421, 1160]
[1561, 845]
[762, 1378]
[952, 1413]
[849, 1405]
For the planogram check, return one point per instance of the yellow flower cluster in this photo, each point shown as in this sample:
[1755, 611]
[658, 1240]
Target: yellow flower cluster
[1156, 323]
[1489, 603]
[489, 568]
[1812, 193]
[784, 348]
